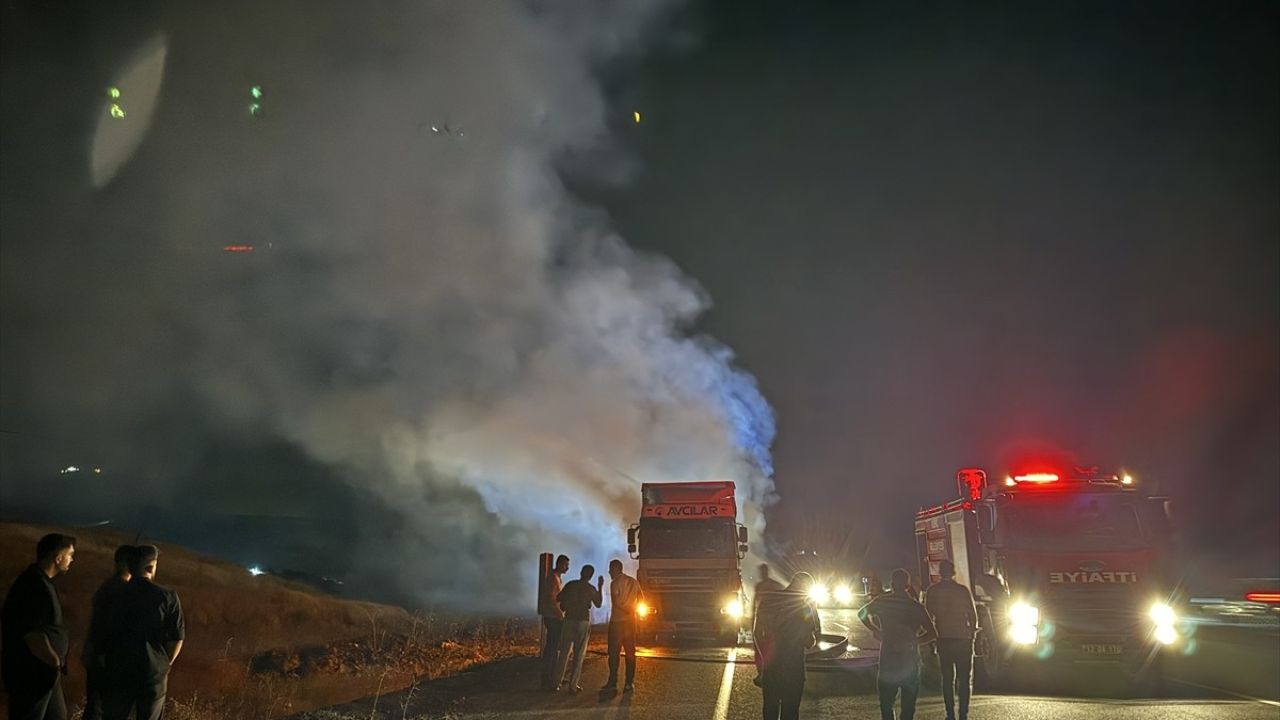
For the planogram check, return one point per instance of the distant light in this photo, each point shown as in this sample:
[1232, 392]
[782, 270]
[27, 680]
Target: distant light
[97, 471]
[1127, 479]
[255, 571]
[113, 93]
[256, 92]
[636, 115]
[117, 112]
[68, 469]
[239, 248]
[818, 593]
[255, 109]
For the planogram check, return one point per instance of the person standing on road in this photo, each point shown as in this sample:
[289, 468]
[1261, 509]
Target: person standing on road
[144, 634]
[763, 589]
[93, 659]
[33, 638]
[956, 619]
[624, 595]
[552, 621]
[901, 625]
[576, 600]
[786, 626]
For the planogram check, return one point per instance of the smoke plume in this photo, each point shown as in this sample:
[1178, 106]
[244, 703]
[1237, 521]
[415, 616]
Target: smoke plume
[459, 363]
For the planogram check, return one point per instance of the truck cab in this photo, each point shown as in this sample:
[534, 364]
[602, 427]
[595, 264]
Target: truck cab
[1065, 567]
[690, 549]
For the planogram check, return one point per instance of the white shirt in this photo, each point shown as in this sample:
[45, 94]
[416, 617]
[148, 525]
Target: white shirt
[624, 593]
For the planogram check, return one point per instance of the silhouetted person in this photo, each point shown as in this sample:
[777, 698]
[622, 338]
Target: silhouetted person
[763, 589]
[576, 600]
[144, 635]
[901, 624]
[786, 626]
[33, 638]
[553, 621]
[624, 596]
[94, 660]
[951, 606]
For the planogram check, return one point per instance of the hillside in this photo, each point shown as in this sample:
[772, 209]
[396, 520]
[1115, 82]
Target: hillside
[262, 646]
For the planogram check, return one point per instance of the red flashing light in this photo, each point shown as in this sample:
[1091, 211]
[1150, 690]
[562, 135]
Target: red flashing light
[1039, 478]
[1260, 596]
[239, 248]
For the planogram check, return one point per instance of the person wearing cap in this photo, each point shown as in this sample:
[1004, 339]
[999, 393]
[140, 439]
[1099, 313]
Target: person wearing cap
[950, 604]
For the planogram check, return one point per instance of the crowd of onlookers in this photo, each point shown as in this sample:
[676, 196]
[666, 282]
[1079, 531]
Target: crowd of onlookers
[136, 631]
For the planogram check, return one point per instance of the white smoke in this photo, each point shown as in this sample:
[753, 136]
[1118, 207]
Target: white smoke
[427, 309]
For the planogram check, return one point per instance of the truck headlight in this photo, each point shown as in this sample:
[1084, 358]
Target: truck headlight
[1023, 619]
[1023, 614]
[1164, 619]
[733, 609]
[1162, 614]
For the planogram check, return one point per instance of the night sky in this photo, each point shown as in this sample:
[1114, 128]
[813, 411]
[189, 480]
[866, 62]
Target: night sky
[947, 237]
[483, 301]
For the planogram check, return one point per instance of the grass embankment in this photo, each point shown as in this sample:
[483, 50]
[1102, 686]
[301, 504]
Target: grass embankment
[261, 647]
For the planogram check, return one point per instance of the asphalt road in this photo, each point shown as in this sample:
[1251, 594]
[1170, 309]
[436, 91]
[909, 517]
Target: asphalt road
[710, 683]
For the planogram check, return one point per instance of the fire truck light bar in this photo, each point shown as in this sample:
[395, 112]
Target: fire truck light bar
[1036, 478]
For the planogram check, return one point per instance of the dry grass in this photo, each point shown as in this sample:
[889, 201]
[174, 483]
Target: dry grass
[262, 647]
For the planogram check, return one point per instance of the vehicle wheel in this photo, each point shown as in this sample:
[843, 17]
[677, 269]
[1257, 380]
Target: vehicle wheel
[988, 667]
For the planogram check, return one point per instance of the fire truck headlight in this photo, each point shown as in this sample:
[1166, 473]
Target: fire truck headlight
[818, 593]
[643, 610]
[844, 595]
[1166, 635]
[733, 608]
[1023, 634]
[1023, 614]
[1163, 615]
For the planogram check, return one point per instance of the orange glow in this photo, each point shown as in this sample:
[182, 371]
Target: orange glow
[1262, 597]
[1037, 478]
[239, 248]
[643, 610]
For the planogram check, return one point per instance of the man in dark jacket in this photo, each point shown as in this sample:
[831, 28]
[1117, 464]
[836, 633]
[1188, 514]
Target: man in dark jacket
[954, 615]
[144, 635]
[786, 626]
[33, 638]
[93, 659]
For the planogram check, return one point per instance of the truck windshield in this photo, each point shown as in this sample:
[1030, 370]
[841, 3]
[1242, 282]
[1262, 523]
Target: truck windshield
[687, 539]
[1082, 521]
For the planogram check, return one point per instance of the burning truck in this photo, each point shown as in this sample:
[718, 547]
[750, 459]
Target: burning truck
[690, 548]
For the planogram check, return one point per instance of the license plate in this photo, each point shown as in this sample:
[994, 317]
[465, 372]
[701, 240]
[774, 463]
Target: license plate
[1102, 648]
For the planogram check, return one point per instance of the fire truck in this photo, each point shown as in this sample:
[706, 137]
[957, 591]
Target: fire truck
[1065, 566]
[690, 549]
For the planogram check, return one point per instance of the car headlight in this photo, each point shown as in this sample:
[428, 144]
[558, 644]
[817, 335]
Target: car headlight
[844, 595]
[643, 610]
[818, 593]
[734, 608]
[1023, 614]
[1163, 615]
